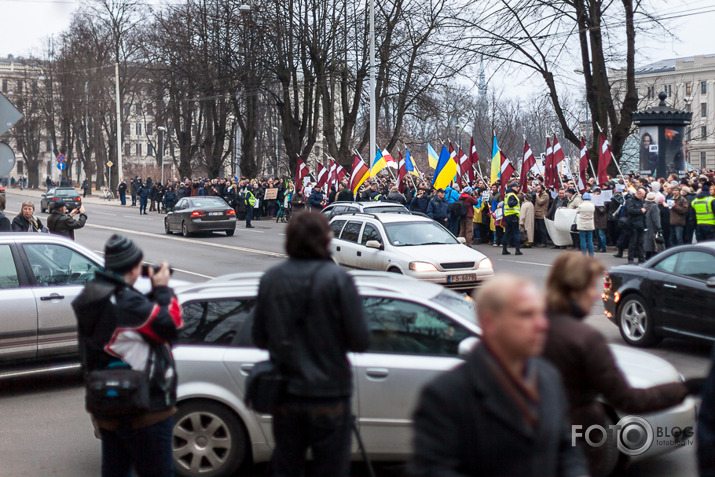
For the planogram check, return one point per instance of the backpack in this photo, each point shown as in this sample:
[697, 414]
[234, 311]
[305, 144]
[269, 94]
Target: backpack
[458, 209]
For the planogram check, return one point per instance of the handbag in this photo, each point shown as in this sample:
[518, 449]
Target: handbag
[118, 391]
[265, 387]
[659, 239]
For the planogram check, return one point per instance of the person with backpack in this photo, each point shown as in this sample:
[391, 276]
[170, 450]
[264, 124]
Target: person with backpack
[452, 195]
[124, 334]
[466, 204]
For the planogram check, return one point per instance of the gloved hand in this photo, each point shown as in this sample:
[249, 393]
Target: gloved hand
[694, 385]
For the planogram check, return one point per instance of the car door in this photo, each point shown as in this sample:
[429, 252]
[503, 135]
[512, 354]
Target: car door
[663, 293]
[58, 275]
[176, 215]
[347, 246]
[410, 345]
[371, 258]
[693, 299]
[18, 320]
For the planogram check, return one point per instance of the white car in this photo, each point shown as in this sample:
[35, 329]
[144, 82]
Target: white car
[411, 245]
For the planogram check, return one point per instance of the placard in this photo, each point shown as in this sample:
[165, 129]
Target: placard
[607, 195]
[271, 194]
[597, 200]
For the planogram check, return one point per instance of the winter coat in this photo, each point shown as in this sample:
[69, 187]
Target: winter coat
[613, 207]
[574, 201]
[541, 205]
[396, 197]
[600, 219]
[60, 223]
[556, 204]
[469, 202]
[467, 424]
[526, 220]
[584, 216]
[5, 224]
[345, 195]
[679, 212]
[652, 225]
[315, 200]
[21, 224]
[420, 204]
[635, 215]
[438, 209]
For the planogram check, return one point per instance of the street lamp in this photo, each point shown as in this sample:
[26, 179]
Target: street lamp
[161, 129]
[275, 135]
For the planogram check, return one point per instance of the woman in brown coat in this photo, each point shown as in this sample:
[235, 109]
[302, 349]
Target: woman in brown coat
[585, 361]
[678, 215]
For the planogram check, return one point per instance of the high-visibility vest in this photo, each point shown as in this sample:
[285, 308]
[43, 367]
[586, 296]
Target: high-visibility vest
[511, 210]
[703, 207]
[250, 198]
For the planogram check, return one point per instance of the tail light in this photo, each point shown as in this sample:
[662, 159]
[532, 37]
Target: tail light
[198, 213]
[55, 199]
[231, 213]
[606, 282]
[78, 199]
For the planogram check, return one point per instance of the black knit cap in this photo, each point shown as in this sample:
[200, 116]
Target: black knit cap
[121, 254]
[60, 203]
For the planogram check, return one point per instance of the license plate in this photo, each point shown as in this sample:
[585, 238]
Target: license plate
[215, 213]
[462, 278]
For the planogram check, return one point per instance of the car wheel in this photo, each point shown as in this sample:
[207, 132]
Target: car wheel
[208, 440]
[610, 458]
[230, 233]
[167, 229]
[635, 322]
[184, 229]
[395, 270]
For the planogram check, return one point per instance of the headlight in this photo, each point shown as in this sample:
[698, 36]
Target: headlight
[422, 267]
[485, 264]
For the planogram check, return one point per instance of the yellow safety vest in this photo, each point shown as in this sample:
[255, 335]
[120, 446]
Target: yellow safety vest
[511, 210]
[250, 198]
[703, 207]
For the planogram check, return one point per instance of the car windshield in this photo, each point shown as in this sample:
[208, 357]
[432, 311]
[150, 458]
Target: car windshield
[458, 303]
[208, 202]
[66, 193]
[404, 234]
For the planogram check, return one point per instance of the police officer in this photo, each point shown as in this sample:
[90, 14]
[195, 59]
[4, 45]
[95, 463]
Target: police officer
[704, 214]
[250, 203]
[511, 219]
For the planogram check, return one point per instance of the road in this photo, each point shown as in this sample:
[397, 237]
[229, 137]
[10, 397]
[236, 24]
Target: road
[45, 430]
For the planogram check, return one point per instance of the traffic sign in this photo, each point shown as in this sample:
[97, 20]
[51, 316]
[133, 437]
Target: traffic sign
[9, 115]
[60, 158]
[61, 166]
[7, 159]
[110, 164]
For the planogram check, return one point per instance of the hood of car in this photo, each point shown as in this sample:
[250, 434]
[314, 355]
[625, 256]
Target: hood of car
[448, 253]
[643, 369]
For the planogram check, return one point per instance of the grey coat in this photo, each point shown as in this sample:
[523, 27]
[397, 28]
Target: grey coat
[652, 225]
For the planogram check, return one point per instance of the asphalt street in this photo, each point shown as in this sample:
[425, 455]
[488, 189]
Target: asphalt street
[44, 429]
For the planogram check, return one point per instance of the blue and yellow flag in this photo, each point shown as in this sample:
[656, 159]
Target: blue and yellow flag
[409, 165]
[496, 161]
[445, 171]
[378, 164]
[431, 156]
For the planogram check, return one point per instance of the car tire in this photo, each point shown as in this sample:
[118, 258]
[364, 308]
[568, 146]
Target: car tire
[394, 270]
[230, 233]
[611, 459]
[635, 322]
[200, 453]
[185, 229]
[167, 228]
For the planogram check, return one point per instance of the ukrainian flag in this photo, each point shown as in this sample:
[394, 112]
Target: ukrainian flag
[431, 156]
[378, 164]
[445, 171]
[496, 161]
[409, 165]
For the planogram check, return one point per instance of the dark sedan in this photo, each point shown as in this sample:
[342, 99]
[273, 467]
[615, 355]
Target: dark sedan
[67, 194]
[672, 294]
[201, 214]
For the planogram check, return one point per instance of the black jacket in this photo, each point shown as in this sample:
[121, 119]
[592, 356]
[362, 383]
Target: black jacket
[636, 216]
[64, 224]
[345, 195]
[140, 322]
[308, 316]
[5, 225]
[466, 424]
[21, 224]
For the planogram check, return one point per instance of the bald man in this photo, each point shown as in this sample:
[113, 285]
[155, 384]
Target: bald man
[503, 412]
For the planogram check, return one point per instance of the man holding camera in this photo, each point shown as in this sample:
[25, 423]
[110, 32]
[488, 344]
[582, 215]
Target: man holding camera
[62, 223]
[122, 329]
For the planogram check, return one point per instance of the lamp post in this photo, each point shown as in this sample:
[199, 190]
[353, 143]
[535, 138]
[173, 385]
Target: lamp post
[161, 130]
[275, 135]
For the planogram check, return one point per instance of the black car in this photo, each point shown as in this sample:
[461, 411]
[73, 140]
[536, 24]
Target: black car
[67, 194]
[201, 214]
[672, 294]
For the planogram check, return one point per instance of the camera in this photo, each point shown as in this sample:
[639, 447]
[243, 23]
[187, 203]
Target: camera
[147, 266]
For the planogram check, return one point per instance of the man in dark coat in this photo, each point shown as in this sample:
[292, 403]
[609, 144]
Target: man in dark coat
[62, 223]
[344, 194]
[504, 411]
[5, 224]
[122, 192]
[438, 208]
[635, 211]
[133, 188]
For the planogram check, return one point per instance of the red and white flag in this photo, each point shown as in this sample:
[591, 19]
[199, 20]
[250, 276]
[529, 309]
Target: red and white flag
[604, 159]
[389, 160]
[332, 169]
[322, 178]
[550, 178]
[507, 170]
[339, 173]
[301, 171]
[582, 167]
[360, 173]
[558, 157]
[465, 165]
[527, 163]
[474, 159]
[401, 173]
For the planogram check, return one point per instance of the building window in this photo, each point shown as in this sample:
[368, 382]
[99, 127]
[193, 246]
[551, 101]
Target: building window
[668, 90]
[637, 95]
[703, 110]
[19, 87]
[703, 160]
[20, 167]
[688, 89]
[703, 87]
[149, 150]
[149, 129]
[139, 149]
[688, 133]
[138, 128]
[150, 109]
[49, 146]
[127, 109]
[138, 108]
[703, 132]
[127, 149]
[4, 86]
[651, 91]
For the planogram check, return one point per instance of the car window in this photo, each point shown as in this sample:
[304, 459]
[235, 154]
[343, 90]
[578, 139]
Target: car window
[208, 202]
[8, 271]
[697, 265]
[336, 226]
[351, 232]
[336, 210]
[404, 234]
[370, 233]
[181, 204]
[218, 323]
[667, 264]
[58, 265]
[398, 326]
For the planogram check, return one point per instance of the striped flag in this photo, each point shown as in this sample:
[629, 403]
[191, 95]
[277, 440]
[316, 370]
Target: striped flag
[527, 163]
[550, 179]
[474, 159]
[389, 160]
[322, 176]
[558, 157]
[604, 159]
[401, 173]
[301, 172]
[339, 174]
[465, 165]
[359, 174]
[582, 166]
[506, 171]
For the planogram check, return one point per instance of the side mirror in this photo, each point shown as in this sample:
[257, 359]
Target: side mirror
[710, 283]
[462, 240]
[373, 244]
[467, 345]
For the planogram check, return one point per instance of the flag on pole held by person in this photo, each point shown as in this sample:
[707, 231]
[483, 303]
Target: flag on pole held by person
[505, 172]
[378, 163]
[604, 159]
[401, 173]
[359, 174]
[432, 157]
[445, 171]
[474, 160]
[582, 167]
[559, 156]
[465, 165]
[527, 163]
[339, 174]
[495, 172]
[322, 178]
[301, 172]
[389, 160]
[550, 178]
[409, 165]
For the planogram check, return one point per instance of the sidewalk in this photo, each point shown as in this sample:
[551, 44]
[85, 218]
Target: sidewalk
[37, 194]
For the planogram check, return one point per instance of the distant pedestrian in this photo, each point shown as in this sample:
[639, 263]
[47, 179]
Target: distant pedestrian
[585, 224]
[143, 193]
[5, 225]
[133, 189]
[512, 209]
[250, 200]
[122, 189]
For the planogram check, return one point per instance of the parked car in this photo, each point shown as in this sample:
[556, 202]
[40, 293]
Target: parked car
[339, 208]
[201, 214]
[672, 294]
[40, 275]
[410, 245]
[418, 330]
[2, 188]
[67, 194]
